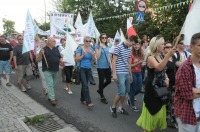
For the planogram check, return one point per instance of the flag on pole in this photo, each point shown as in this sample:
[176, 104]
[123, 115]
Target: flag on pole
[68, 52]
[130, 29]
[90, 26]
[78, 24]
[117, 35]
[31, 29]
[192, 23]
[122, 35]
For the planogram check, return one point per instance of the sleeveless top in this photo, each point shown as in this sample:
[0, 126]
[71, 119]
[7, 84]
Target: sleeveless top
[153, 103]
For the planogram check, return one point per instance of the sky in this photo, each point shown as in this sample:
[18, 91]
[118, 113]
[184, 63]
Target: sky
[16, 10]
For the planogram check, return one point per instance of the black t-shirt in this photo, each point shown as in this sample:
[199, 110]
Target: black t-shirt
[53, 59]
[5, 50]
[22, 59]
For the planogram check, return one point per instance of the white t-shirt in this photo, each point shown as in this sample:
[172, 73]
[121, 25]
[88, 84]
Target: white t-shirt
[183, 56]
[196, 102]
[112, 50]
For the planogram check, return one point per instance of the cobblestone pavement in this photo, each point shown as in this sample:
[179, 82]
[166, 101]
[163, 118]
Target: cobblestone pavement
[11, 108]
[15, 105]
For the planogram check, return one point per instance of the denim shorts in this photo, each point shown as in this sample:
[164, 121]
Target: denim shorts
[5, 66]
[123, 84]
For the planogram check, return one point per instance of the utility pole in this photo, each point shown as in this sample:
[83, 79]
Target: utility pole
[45, 16]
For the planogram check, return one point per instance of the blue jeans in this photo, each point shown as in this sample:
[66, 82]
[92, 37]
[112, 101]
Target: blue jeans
[136, 86]
[123, 84]
[85, 94]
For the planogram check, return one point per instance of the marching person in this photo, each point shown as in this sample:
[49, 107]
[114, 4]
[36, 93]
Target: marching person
[103, 66]
[122, 74]
[84, 55]
[6, 54]
[51, 59]
[153, 114]
[187, 92]
[22, 64]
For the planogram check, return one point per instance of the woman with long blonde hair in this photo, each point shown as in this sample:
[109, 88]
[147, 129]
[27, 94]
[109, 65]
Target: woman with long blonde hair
[154, 109]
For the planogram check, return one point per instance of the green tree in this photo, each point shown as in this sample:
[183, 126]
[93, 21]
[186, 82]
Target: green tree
[8, 26]
[166, 22]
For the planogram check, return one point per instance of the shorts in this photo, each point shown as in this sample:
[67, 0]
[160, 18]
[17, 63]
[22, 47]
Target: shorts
[5, 66]
[123, 84]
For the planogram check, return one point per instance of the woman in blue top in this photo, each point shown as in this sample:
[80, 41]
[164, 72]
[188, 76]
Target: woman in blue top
[103, 65]
[84, 55]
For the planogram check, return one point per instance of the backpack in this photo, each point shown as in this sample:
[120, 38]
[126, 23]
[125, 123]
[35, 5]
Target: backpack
[178, 55]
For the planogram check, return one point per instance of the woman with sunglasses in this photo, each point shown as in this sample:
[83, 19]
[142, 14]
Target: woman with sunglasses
[103, 66]
[153, 114]
[84, 55]
[171, 121]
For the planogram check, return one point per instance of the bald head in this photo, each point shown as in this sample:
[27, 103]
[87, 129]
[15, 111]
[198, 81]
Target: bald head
[51, 42]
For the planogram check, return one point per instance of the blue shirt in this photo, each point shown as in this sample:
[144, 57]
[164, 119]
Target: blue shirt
[86, 61]
[123, 53]
[103, 61]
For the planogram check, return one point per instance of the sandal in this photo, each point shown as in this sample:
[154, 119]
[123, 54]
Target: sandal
[84, 102]
[90, 105]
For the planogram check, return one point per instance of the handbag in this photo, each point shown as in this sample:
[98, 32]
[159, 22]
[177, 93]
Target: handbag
[160, 91]
[76, 74]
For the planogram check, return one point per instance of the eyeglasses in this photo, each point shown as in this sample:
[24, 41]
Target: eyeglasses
[87, 41]
[168, 47]
[103, 37]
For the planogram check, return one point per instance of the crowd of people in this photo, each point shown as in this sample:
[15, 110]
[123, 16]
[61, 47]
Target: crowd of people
[135, 65]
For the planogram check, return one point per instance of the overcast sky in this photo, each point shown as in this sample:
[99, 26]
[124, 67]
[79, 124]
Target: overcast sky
[16, 10]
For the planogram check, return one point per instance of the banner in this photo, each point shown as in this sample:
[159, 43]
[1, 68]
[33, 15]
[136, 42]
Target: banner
[60, 22]
[31, 30]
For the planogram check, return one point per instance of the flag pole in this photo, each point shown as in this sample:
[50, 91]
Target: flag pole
[45, 60]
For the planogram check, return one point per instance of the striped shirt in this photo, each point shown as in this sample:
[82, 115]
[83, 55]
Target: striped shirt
[123, 53]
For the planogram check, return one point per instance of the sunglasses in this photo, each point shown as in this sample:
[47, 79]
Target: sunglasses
[168, 47]
[103, 37]
[181, 43]
[87, 41]
[20, 39]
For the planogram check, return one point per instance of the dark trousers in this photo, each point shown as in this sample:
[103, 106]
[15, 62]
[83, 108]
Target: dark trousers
[68, 73]
[103, 74]
[85, 94]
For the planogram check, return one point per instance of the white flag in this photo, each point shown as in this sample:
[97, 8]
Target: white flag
[192, 22]
[90, 26]
[117, 35]
[122, 36]
[78, 24]
[31, 30]
[68, 52]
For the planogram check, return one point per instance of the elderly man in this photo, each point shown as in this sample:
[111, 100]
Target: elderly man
[51, 59]
[6, 55]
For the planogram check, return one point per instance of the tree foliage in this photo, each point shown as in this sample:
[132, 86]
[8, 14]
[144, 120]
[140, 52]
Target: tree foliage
[167, 23]
[8, 26]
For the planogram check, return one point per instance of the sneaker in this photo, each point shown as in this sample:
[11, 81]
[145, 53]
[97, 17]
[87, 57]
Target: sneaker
[28, 87]
[70, 92]
[23, 88]
[129, 102]
[113, 112]
[134, 108]
[122, 111]
[104, 100]
[66, 88]
[8, 84]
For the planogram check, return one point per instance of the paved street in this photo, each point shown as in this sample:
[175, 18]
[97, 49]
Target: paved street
[86, 119]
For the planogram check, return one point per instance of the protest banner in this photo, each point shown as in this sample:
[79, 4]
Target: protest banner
[59, 24]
